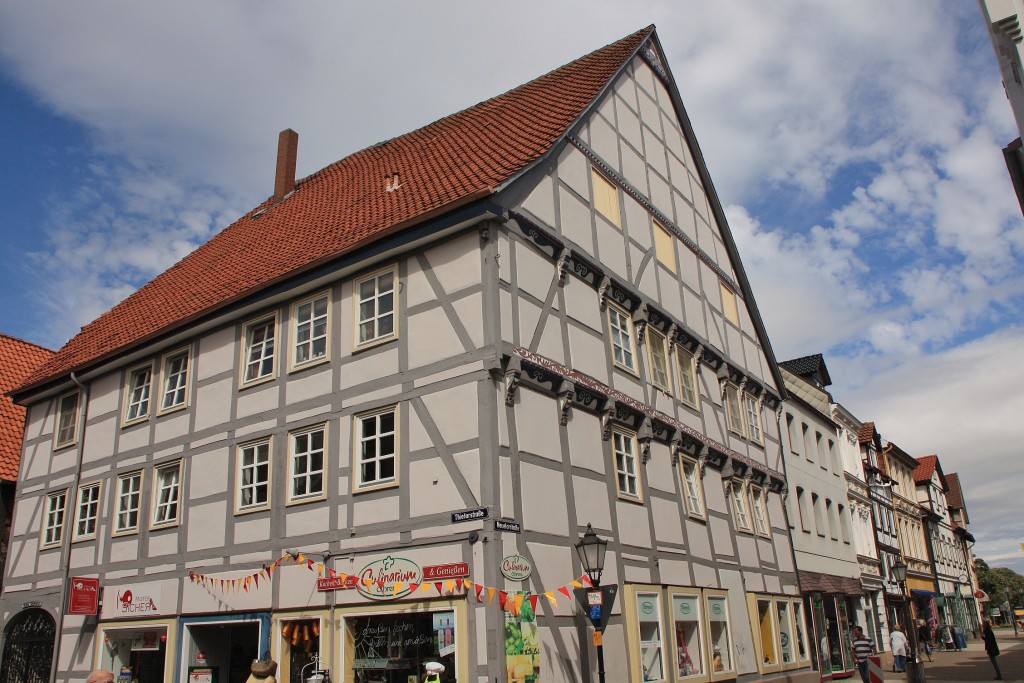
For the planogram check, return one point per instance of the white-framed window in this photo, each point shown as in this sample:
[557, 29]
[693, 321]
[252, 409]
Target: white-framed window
[733, 409]
[87, 511]
[254, 475]
[376, 448]
[167, 494]
[759, 509]
[627, 478]
[664, 246]
[779, 631]
[307, 462]
[658, 351]
[620, 329]
[375, 307]
[753, 414]
[738, 497]
[729, 307]
[174, 380]
[129, 502]
[687, 364]
[258, 359]
[606, 197]
[137, 392]
[67, 419]
[56, 511]
[693, 488]
[652, 656]
[311, 330]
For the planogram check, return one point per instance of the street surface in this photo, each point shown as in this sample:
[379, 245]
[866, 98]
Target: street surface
[971, 664]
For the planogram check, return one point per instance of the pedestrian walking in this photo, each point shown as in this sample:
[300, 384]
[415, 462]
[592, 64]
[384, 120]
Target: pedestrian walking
[863, 648]
[898, 645]
[924, 637]
[991, 646]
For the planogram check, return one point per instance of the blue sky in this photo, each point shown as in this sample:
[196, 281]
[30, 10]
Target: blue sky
[855, 145]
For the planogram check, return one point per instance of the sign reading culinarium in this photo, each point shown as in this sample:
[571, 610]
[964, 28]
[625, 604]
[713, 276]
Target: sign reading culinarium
[516, 567]
[388, 578]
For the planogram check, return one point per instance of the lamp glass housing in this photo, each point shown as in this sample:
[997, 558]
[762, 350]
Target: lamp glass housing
[899, 570]
[591, 550]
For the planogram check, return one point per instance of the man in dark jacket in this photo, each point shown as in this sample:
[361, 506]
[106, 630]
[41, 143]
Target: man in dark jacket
[991, 646]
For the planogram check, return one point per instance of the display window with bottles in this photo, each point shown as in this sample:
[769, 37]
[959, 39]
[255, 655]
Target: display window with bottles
[678, 633]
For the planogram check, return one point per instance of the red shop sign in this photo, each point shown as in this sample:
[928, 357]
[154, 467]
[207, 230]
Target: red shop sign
[455, 570]
[336, 583]
[85, 596]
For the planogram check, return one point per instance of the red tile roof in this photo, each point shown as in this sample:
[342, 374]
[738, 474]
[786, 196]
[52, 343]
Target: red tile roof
[955, 496]
[18, 360]
[926, 468]
[338, 209]
[866, 433]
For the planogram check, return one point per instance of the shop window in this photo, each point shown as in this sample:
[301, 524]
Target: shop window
[300, 647]
[687, 364]
[311, 330]
[394, 647]
[651, 654]
[687, 629]
[375, 307]
[787, 643]
[620, 332]
[720, 636]
[765, 630]
[656, 345]
[174, 387]
[376, 449]
[254, 475]
[67, 420]
[803, 653]
[138, 652]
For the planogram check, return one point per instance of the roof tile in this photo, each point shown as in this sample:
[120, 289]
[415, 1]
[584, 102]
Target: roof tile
[18, 360]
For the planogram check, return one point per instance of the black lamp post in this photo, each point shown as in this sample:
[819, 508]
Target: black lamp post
[591, 550]
[915, 667]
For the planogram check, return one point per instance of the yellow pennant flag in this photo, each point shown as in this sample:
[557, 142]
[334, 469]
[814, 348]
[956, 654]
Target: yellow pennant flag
[490, 595]
[550, 595]
[451, 585]
[398, 588]
[519, 603]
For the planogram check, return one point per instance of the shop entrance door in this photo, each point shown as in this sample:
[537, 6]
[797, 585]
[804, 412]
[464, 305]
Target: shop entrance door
[226, 648]
[28, 648]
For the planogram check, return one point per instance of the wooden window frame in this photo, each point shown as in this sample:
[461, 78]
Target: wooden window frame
[629, 438]
[686, 364]
[138, 409]
[759, 511]
[87, 511]
[54, 529]
[357, 308]
[311, 337]
[734, 409]
[664, 382]
[616, 332]
[72, 414]
[293, 455]
[120, 495]
[249, 342]
[167, 375]
[685, 464]
[156, 521]
[358, 485]
[262, 460]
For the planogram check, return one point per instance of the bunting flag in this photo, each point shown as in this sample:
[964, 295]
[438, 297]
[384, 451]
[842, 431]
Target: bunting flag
[507, 602]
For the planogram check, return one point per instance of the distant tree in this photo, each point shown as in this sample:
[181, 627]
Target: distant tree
[996, 580]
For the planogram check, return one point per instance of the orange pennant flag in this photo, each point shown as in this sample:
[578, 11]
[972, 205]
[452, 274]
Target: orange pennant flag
[519, 603]
[490, 595]
[467, 584]
[398, 588]
[550, 595]
[577, 584]
[451, 585]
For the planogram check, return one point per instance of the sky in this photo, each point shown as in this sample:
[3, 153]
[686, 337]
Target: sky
[855, 144]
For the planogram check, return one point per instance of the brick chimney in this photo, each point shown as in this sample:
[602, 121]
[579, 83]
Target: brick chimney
[287, 152]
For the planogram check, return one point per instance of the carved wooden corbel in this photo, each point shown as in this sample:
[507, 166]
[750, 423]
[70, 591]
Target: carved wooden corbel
[513, 374]
[566, 396]
[676, 448]
[640, 322]
[702, 460]
[603, 290]
[563, 266]
[644, 437]
[606, 420]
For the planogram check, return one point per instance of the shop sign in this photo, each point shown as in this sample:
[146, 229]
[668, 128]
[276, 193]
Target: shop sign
[469, 515]
[437, 572]
[132, 600]
[336, 583]
[146, 641]
[200, 675]
[516, 568]
[387, 574]
[85, 596]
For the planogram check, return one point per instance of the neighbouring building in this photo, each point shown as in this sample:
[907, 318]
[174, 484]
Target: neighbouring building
[964, 541]
[819, 518]
[921, 580]
[362, 427]
[949, 564]
[1002, 18]
[18, 360]
[862, 524]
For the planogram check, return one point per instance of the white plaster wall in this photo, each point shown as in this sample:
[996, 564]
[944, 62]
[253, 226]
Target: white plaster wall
[217, 353]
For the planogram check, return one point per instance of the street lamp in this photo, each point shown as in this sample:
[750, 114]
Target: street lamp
[591, 550]
[915, 667]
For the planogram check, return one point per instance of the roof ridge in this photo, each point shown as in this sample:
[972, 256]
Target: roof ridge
[11, 337]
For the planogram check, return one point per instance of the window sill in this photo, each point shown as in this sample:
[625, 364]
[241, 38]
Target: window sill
[316, 362]
[367, 488]
[373, 343]
[172, 409]
[256, 382]
[134, 421]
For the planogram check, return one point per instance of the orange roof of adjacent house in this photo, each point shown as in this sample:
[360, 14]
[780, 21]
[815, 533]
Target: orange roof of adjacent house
[18, 360]
[866, 433]
[926, 468]
[446, 164]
